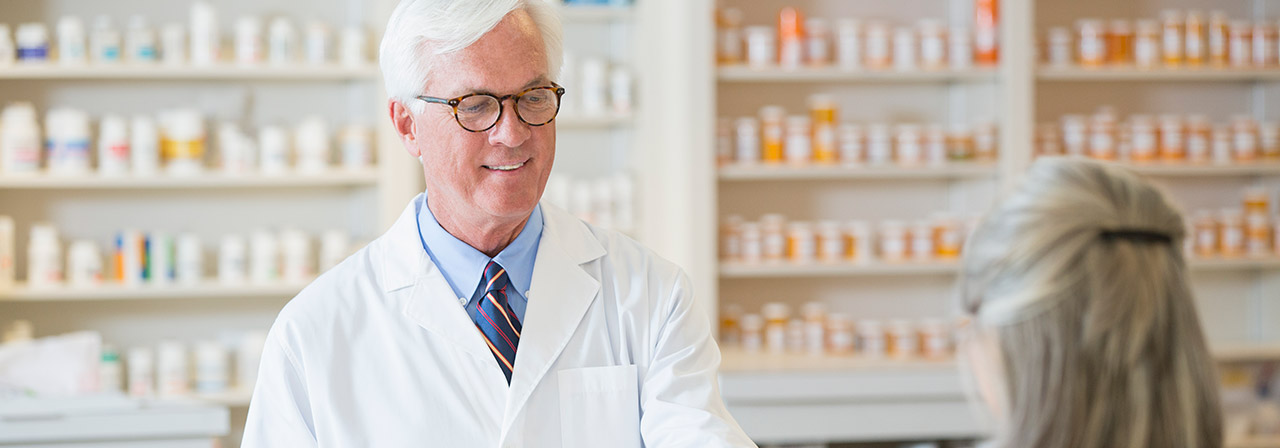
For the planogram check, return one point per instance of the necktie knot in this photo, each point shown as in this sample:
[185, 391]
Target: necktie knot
[495, 277]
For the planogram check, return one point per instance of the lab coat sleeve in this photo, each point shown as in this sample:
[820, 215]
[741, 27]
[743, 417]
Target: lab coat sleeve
[680, 395]
[280, 410]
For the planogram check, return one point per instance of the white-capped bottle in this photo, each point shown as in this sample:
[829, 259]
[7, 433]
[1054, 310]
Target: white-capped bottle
[273, 150]
[357, 152]
[44, 257]
[232, 256]
[353, 47]
[141, 372]
[172, 375]
[264, 257]
[204, 34]
[318, 43]
[296, 258]
[173, 44]
[312, 141]
[67, 141]
[71, 41]
[189, 260]
[32, 43]
[213, 369]
[20, 143]
[144, 146]
[105, 42]
[282, 42]
[113, 146]
[249, 46]
[84, 264]
[140, 42]
[849, 44]
[594, 86]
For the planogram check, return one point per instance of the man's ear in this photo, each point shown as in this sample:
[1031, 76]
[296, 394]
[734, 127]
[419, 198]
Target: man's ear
[402, 120]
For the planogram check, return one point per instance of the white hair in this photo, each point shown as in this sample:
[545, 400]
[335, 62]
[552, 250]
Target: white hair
[1079, 279]
[447, 26]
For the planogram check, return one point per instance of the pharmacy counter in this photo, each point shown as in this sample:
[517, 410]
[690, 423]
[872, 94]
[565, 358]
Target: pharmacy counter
[795, 398]
[110, 421]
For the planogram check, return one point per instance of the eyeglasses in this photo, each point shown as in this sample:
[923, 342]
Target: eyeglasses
[479, 112]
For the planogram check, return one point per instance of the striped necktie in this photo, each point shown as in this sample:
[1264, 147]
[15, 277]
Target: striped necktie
[495, 319]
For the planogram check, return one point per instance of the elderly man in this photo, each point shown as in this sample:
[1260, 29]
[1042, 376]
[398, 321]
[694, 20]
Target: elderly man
[481, 318]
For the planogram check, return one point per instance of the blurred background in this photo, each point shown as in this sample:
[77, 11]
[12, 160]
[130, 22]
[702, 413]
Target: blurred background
[172, 173]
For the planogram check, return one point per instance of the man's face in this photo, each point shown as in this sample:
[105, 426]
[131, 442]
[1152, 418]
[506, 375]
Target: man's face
[498, 174]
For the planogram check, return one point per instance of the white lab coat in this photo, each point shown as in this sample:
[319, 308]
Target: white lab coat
[378, 352]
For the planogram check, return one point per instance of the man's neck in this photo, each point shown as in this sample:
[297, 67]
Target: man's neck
[489, 236]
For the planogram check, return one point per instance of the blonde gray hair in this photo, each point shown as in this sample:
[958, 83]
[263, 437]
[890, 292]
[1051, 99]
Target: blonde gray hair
[446, 26]
[1098, 338]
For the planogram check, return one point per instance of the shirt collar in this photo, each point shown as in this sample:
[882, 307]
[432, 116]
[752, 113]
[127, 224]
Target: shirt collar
[463, 265]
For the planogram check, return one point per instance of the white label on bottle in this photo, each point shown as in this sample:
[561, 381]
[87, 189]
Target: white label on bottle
[1233, 238]
[1144, 53]
[1197, 148]
[776, 338]
[1091, 49]
[877, 49]
[1172, 43]
[1206, 240]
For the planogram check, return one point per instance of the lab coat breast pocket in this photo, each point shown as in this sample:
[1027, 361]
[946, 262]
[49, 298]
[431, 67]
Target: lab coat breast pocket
[599, 407]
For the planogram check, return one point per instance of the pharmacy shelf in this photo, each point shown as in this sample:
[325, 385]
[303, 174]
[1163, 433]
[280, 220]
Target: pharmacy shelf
[761, 172]
[785, 398]
[209, 289]
[226, 72]
[333, 178]
[603, 121]
[1154, 74]
[830, 74]
[1207, 170]
[1270, 442]
[235, 398]
[589, 13]
[934, 268]
[1235, 264]
[1247, 351]
[786, 269]
[737, 360]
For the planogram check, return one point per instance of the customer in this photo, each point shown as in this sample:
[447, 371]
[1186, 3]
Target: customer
[1083, 331]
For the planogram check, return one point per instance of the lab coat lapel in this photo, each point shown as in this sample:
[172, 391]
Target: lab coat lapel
[559, 295]
[430, 303]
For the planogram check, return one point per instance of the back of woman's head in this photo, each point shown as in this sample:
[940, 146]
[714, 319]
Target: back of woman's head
[1078, 280]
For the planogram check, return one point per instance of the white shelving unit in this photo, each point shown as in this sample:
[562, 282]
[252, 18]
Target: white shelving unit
[1134, 74]
[1190, 170]
[1254, 443]
[209, 289]
[761, 172]
[334, 178]
[933, 268]
[210, 205]
[1237, 295]
[749, 74]
[218, 72]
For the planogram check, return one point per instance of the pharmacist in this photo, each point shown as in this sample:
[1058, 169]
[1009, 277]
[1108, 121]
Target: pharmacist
[481, 318]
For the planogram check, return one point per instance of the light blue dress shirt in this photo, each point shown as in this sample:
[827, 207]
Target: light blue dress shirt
[463, 265]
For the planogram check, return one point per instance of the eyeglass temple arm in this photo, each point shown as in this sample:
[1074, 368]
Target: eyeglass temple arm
[432, 99]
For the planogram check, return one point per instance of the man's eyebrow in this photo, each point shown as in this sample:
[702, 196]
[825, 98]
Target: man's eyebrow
[541, 80]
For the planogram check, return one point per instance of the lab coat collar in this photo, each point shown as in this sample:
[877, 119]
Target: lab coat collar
[430, 302]
[559, 296]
